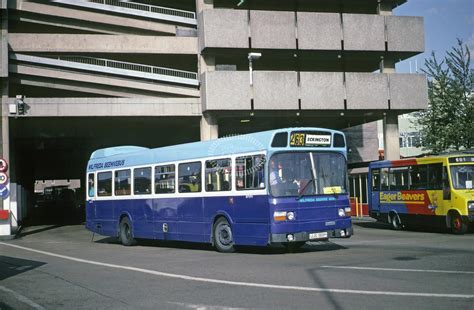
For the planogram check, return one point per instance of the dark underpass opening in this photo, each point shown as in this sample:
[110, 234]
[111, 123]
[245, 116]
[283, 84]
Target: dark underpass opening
[49, 157]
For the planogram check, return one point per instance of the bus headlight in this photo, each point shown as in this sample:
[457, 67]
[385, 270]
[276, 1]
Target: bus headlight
[290, 216]
[470, 206]
[341, 212]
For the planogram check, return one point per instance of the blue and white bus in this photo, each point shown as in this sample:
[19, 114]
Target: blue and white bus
[284, 186]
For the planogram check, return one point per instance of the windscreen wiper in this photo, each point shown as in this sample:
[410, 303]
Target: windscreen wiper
[304, 189]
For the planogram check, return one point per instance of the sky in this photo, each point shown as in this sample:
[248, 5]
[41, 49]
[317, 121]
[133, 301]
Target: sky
[445, 21]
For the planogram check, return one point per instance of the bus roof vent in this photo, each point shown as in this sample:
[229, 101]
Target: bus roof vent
[118, 150]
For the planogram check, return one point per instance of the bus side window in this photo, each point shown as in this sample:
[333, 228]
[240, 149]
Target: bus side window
[142, 181]
[375, 179]
[250, 172]
[218, 175]
[189, 177]
[165, 179]
[123, 182]
[384, 179]
[419, 177]
[104, 183]
[398, 178]
[446, 187]
[91, 185]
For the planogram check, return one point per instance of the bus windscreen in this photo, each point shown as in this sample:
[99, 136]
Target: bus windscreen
[290, 173]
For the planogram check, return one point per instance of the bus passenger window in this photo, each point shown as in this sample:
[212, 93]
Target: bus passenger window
[419, 177]
[250, 172]
[384, 179]
[164, 179]
[91, 185]
[142, 181]
[104, 184]
[398, 178]
[218, 175]
[189, 177]
[122, 182]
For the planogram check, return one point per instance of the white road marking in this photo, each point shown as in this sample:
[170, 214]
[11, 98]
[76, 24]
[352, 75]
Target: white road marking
[400, 270]
[237, 283]
[204, 307]
[22, 298]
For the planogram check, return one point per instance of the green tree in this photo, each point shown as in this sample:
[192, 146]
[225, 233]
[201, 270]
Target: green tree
[448, 123]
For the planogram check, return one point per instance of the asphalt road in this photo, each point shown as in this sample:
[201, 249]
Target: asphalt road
[58, 267]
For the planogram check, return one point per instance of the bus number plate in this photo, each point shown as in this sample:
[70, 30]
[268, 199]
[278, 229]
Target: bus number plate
[319, 235]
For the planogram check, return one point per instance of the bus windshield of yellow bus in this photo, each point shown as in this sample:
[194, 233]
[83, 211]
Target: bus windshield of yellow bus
[462, 176]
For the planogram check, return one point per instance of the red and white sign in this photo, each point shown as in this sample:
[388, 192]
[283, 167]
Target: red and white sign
[3, 165]
[3, 178]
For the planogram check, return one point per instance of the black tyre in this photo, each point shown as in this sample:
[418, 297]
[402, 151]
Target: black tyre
[126, 236]
[396, 222]
[458, 226]
[223, 238]
[292, 247]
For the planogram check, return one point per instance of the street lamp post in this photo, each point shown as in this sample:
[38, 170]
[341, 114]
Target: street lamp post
[251, 58]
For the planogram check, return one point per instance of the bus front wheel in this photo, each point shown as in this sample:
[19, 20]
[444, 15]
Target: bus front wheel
[223, 238]
[126, 236]
[395, 221]
[458, 226]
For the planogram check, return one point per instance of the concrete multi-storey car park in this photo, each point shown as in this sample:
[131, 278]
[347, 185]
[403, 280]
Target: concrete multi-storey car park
[158, 72]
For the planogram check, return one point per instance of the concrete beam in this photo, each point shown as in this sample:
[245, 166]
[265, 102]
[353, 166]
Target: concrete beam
[86, 16]
[120, 83]
[78, 107]
[77, 87]
[97, 43]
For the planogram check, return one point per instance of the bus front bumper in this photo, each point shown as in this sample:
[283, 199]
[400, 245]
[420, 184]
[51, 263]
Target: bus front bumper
[312, 236]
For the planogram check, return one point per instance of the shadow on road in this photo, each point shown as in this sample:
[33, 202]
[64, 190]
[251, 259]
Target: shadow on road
[11, 266]
[269, 250]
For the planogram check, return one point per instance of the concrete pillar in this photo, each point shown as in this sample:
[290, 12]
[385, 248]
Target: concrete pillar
[391, 136]
[209, 127]
[203, 5]
[384, 8]
[387, 65]
[5, 226]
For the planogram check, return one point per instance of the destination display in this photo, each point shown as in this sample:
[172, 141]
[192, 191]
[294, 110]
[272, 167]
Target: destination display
[310, 139]
[459, 160]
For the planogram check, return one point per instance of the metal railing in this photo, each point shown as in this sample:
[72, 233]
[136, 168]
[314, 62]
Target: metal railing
[115, 67]
[138, 9]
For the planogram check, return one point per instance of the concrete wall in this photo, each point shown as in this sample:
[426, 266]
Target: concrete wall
[405, 34]
[225, 28]
[319, 31]
[90, 43]
[366, 91]
[270, 29]
[322, 90]
[226, 90]
[364, 32]
[64, 107]
[275, 90]
[405, 91]
[279, 90]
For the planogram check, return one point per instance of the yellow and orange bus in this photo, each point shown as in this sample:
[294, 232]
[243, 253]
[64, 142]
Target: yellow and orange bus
[434, 191]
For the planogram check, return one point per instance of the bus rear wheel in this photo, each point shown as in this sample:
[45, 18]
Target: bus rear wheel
[223, 238]
[126, 236]
[458, 226]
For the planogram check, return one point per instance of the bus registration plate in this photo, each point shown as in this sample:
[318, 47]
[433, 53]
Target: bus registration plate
[319, 235]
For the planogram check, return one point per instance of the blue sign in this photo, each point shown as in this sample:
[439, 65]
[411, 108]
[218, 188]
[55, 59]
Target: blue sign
[4, 192]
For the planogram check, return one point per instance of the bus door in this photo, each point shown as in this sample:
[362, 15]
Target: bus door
[374, 190]
[90, 203]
